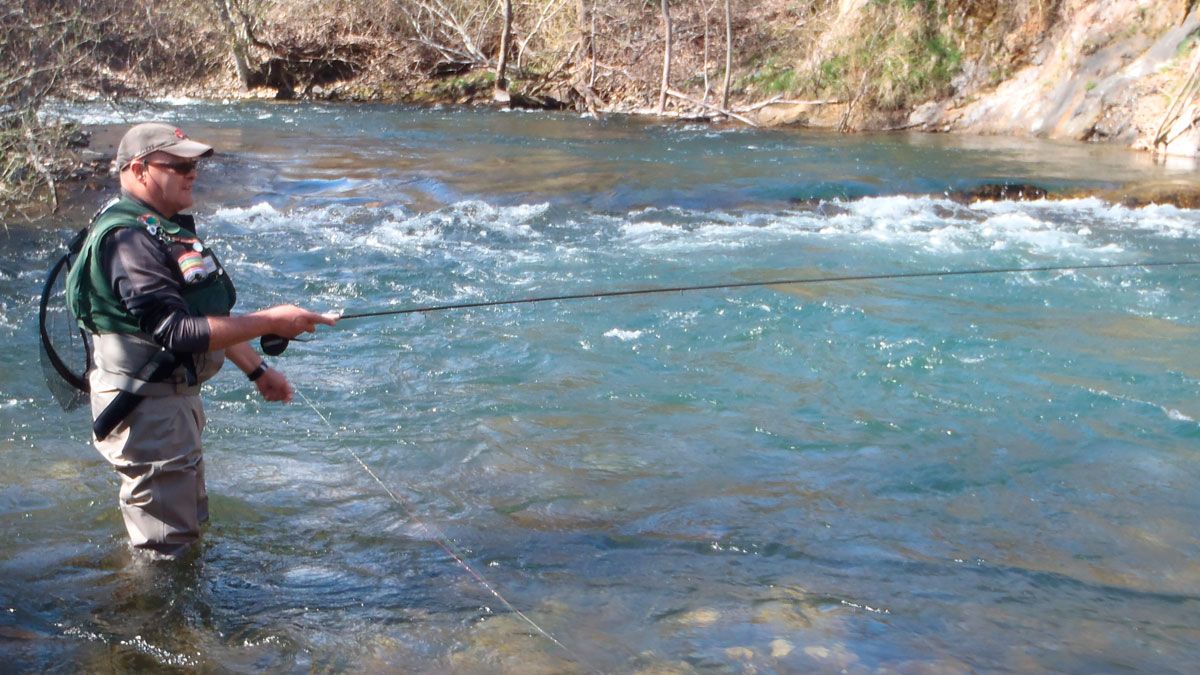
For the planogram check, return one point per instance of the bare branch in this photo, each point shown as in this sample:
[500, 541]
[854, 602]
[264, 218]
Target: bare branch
[551, 9]
[702, 104]
[779, 100]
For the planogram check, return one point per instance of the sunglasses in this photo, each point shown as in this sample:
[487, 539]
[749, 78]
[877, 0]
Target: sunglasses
[182, 168]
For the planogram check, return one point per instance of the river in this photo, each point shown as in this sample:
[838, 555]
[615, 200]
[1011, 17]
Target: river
[946, 474]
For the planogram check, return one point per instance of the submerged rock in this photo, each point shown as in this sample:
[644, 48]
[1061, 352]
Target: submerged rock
[647, 664]
[999, 192]
[781, 648]
[696, 618]
[836, 655]
[1180, 192]
[1183, 193]
[506, 644]
[739, 653]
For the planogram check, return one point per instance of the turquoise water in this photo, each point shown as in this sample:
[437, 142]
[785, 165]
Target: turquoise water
[935, 475]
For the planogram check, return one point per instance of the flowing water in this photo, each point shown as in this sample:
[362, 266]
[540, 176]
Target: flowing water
[985, 473]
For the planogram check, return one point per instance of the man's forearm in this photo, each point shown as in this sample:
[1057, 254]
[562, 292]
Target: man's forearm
[243, 356]
[226, 331]
[284, 320]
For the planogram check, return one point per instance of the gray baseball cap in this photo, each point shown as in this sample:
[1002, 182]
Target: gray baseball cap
[149, 137]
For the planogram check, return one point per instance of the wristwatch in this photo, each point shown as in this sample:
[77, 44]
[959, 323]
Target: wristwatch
[263, 367]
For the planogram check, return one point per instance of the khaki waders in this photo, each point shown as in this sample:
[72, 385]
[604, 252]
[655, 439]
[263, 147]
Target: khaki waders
[156, 449]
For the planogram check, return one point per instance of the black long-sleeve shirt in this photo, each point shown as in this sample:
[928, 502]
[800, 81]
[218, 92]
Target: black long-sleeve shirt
[146, 278]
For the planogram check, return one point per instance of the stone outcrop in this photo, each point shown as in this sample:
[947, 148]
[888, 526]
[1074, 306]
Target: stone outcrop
[1109, 71]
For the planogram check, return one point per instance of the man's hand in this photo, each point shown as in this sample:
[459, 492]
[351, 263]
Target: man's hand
[274, 386]
[289, 320]
[286, 321]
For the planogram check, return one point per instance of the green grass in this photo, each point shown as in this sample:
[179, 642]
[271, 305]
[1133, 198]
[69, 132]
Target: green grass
[772, 78]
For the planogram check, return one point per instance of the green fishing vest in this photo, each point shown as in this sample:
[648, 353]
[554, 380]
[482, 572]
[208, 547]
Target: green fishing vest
[89, 291]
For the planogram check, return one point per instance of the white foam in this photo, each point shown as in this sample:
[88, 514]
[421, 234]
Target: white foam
[469, 222]
[1028, 233]
[623, 335]
[713, 231]
[98, 111]
[1177, 416]
[401, 236]
[1167, 221]
[908, 221]
[247, 213]
[327, 224]
[899, 227]
[1086, 228]
[1172, 413]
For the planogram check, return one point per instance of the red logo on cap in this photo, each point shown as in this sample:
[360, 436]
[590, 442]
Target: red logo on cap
[179, 133]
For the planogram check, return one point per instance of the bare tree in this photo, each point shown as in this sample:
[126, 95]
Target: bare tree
[47, 48]
[500, 91]
[583, 17]
[585, 27]
[237, 24]
[447, 27]
[728, 55]
[666, 69]
[707, 10]
[549, 10]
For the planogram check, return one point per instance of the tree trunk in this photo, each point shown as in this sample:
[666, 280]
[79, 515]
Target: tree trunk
[585, 28]
[592, 50]
[706, 85]
[239, 33]
[728, 55]
[666, 72]
[584, 79]
[500, 92]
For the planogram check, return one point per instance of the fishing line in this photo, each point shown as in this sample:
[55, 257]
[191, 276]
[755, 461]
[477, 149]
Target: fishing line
[444, 542]
[768, 282]
[274, 344]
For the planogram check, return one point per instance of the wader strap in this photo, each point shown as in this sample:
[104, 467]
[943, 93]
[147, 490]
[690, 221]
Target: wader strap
[158, 367]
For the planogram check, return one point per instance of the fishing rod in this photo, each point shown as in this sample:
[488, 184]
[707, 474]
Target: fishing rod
[273, 345]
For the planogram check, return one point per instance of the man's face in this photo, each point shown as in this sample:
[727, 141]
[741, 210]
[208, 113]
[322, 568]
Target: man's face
[168, 180]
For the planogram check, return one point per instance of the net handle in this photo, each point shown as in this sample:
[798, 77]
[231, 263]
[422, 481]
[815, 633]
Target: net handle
[71, 378]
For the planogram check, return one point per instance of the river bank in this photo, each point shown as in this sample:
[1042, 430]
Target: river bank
[1121, 72]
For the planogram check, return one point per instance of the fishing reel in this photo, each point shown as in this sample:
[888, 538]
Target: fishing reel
[274, 345]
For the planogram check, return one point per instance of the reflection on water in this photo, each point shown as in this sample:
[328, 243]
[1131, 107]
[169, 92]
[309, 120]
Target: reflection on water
[923, 475]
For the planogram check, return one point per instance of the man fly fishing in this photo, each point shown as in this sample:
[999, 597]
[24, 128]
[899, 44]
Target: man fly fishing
[157, 303]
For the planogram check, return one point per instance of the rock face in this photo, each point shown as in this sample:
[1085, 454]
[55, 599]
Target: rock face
[1108, 71]
[1118, 71]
